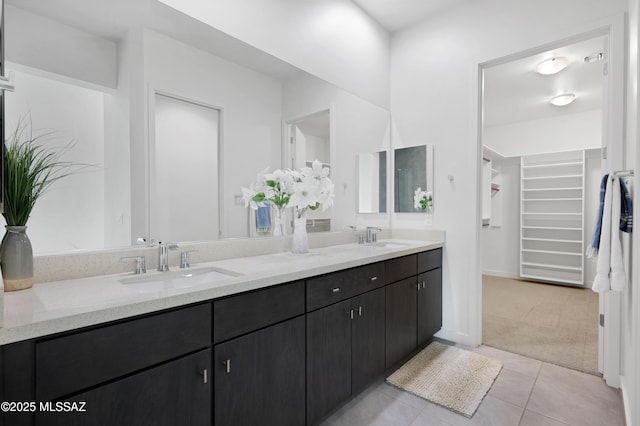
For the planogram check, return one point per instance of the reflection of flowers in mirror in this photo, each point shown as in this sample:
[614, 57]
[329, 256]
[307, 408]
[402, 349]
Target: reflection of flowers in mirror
[307, 188]
[422, 200]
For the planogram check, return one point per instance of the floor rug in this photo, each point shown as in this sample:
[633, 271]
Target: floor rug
[454, 378]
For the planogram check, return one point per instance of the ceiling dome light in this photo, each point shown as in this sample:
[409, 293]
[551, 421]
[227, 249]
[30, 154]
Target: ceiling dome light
[562, 100]
[552, 66]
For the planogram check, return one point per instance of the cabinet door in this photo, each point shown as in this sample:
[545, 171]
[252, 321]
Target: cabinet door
[368, 338]
[259, 377]
[178, 392]
[401, 317]
[328, 359]
[429, 304]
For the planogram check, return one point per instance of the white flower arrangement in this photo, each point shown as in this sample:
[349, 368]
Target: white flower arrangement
[307, 188]
[422, 200]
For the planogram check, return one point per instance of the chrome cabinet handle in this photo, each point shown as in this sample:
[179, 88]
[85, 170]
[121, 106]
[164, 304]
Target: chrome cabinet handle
[205, 376]
[418, 286]
[227, 363]
[335, 289]
[351, 313]
[374, 278]
[424, 284]
[359, 311]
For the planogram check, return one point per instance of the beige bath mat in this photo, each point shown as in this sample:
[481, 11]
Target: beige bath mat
[451, 377]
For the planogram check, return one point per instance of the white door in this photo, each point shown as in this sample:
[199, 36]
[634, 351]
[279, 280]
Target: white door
[184, 171]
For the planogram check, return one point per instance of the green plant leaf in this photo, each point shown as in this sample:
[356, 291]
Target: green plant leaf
[31, 167]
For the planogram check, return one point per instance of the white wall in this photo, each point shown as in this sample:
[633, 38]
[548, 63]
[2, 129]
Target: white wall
[434, 98]
[358, 127]
[565, 132]
[48, 45]
[332, 39]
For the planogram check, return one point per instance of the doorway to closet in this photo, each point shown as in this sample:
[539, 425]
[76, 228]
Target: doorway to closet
[541, 174]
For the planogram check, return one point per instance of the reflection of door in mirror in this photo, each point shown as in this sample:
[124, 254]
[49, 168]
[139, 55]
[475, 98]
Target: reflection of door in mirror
[184, 171]
[372, 182]
[311, 140]
[410, 174]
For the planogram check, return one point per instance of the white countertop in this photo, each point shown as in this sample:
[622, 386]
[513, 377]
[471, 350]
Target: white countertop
[54, 307]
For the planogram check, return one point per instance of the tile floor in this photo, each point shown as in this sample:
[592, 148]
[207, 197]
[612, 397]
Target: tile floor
[527, 392]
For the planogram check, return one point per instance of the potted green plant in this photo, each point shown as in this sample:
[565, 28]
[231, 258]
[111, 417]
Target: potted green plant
[30, 168]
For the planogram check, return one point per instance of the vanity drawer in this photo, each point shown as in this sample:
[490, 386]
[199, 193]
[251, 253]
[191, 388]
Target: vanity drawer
[401, 268]
[429, 260]
[71, 363]
[242, 314]
[337, 286]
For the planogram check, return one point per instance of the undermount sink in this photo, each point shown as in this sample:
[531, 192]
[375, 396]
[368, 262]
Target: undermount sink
[182, 278]
[385, 244]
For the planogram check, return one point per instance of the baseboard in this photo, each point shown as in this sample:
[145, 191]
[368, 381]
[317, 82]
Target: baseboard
[454, 336]
[500, 274]
[625, 402]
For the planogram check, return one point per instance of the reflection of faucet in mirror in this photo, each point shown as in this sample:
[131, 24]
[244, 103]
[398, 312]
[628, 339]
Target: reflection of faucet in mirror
[163, 255]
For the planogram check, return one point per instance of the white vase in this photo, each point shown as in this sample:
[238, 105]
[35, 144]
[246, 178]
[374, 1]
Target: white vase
[300, 241]
[279, 222]
[428, 220]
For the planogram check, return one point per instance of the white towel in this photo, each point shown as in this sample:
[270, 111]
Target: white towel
[601, 283]
[618, 278]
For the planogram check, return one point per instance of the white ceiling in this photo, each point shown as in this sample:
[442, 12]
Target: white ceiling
[395, 15]
[514, 92]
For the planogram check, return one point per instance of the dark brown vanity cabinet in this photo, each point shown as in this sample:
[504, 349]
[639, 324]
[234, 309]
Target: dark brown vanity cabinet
[345, 340]
[177, 392]
[429, 304]
[429, 294]
[259, 357]
[281, 355]
[414, 303]
[150, 370]
[401, 320]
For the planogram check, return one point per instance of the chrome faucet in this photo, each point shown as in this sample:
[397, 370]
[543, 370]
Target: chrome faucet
[141, 267]
[371, 236]
[163, 255]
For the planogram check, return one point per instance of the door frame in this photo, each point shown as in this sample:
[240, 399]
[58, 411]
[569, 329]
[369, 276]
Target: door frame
[613, 147]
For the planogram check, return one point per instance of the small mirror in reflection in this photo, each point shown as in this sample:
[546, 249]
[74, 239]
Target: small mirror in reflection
[372, 182]
[413, 170]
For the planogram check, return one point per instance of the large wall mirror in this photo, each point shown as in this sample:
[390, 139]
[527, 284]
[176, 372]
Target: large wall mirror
[413, 169]
[116, 68]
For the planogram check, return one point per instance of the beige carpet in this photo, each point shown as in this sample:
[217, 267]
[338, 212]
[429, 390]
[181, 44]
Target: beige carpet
[551, 323]
[454, 378]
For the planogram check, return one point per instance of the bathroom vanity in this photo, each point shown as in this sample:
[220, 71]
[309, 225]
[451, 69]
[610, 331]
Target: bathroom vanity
[264, 347]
